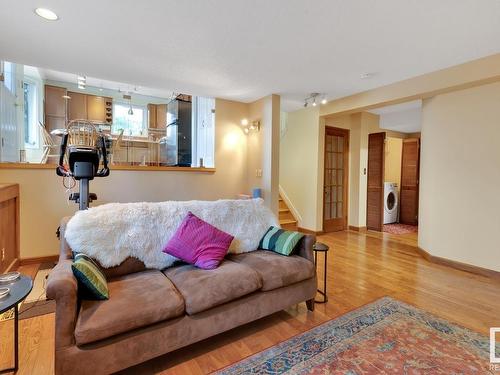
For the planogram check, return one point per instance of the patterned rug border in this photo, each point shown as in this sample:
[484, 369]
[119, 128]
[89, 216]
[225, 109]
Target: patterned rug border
[480, 341]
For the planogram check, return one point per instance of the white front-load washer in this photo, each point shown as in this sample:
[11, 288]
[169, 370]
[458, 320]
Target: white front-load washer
[391, 202]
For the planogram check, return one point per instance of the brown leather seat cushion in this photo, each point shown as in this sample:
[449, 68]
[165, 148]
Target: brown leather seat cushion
[204, 289]
[135, 300]
[276, 270]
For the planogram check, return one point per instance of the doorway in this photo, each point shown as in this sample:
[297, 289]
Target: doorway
[336, 177]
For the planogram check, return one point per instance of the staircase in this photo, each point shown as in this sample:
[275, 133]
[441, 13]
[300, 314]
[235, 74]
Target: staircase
[287, 221]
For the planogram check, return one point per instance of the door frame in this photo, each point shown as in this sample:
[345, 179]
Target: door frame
[345, 193]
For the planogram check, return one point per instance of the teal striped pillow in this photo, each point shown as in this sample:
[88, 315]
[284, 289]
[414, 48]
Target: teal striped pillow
[92, 283]
[280, 241]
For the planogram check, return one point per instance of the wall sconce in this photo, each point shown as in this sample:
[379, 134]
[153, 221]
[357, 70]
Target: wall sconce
[249, 126]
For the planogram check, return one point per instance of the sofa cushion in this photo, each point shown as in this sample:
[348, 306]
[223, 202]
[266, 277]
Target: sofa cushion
[199, 243]
[204, 289]
[135, 300]
[276, 270]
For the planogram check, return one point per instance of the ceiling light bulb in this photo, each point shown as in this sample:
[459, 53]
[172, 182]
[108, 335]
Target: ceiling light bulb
[46, 14]
[314, 103]
[367, 75]
[244, 122]
[324, 101]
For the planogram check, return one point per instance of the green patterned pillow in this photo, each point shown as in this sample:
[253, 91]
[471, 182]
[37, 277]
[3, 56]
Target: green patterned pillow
[280, 241]
[91, 281]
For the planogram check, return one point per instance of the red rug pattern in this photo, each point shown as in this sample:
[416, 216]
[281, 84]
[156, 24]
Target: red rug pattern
[400, 228]
[384, 337]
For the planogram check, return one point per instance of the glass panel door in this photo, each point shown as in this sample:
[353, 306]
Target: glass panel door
[335, 190]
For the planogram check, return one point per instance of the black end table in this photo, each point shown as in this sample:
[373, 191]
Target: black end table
[19, 290]
[320, 247]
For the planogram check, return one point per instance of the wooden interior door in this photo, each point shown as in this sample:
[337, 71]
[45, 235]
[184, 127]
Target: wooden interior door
[408, 192]
[336, 179]
[375, 183]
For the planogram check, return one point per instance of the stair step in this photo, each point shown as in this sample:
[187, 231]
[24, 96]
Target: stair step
[288, 221]
[284, 210]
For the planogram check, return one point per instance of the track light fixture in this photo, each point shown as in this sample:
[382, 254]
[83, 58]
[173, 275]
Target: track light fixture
[312, 99]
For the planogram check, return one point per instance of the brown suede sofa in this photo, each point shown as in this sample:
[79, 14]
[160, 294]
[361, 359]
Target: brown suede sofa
[150, 312]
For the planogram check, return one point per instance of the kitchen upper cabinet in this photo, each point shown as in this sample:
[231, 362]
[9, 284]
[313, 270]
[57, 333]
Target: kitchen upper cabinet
[96, 108]
[55, 109]
[157, 116]
[161, 116]
[77, 106]
[152, 115]
[55, 104]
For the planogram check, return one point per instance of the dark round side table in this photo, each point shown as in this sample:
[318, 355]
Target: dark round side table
[19, 290]
[320, 247]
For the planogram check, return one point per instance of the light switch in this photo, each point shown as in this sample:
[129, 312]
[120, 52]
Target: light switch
[258, 173]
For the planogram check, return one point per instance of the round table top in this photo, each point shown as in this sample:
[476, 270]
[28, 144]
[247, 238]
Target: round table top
[319, 246]
[19, 290]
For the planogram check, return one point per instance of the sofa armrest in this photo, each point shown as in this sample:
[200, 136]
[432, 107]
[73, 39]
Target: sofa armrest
[62, 287]
[305, 247]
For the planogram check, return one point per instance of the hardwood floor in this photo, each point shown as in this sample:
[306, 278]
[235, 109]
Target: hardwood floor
[361, 268]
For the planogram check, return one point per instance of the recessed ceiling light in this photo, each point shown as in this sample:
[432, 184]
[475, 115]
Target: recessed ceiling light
[367, 75]
[324, 101]
[46, 14]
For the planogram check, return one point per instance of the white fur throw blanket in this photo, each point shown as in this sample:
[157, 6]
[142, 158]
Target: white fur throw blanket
[113, 232]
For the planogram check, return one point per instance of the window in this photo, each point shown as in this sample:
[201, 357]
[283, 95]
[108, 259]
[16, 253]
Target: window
[203, 131]
[30, 118]
[9, 72]
[133, 124]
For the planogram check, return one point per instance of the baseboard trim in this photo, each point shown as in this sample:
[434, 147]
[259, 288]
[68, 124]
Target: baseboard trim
[458, 265]
[358, 229]
[309, 231]
[45, 259]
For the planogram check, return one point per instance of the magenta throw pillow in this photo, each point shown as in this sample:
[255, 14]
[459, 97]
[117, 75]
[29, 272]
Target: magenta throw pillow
[199, 243]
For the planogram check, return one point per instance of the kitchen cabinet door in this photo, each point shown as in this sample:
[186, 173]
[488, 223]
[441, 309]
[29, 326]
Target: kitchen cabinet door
[161, 116]
[55, 104]
[77, 106]
[96, 108]
[152, 115]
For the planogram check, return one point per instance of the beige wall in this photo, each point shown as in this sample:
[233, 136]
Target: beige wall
[392, 166]
[473, 73]
[460, 176]
[301, 163]
[299, 170]
[263, 149]
[44, 200]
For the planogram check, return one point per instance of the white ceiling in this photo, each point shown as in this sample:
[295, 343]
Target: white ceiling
[243, 50]
[404, 117]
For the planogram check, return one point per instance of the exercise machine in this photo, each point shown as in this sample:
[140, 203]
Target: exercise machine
[82, 147]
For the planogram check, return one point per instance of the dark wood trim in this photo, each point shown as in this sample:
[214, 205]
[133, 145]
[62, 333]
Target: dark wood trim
[9, 192]
[357, 229]
[346, 133]
[381, 186]
[35, 260]
[309, 231]
[13, 266]
[458, 265]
